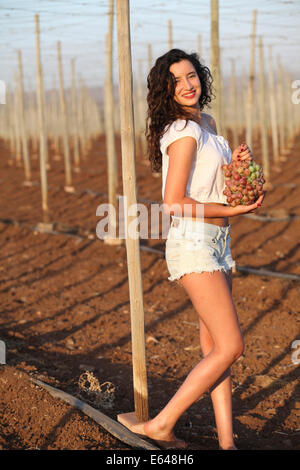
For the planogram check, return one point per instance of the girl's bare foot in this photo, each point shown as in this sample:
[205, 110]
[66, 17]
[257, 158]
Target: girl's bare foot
[232, 447]
[162, 436]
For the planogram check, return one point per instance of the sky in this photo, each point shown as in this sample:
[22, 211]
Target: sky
[81, 26]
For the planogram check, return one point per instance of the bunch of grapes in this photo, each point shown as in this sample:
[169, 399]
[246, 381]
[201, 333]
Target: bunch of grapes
[244, 182]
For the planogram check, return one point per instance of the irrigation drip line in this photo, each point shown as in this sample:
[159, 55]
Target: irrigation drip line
[63, 229]
[116, 429]
[267, 218]
[266, 272]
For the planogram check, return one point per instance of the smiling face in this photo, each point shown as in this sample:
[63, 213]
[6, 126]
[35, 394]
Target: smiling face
[188, 85]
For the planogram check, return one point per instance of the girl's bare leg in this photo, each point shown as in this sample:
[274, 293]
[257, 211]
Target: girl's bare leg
[221, 391]
[211, 297]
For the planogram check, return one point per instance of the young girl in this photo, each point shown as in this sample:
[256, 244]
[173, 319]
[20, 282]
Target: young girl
[183, 141]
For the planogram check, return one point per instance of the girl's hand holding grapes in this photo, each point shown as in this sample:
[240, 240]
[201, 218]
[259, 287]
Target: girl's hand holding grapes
[241, 153]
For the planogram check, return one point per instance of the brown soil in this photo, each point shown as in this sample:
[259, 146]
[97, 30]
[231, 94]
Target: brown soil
[65, 310]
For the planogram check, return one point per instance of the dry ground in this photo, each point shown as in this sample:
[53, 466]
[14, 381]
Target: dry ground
[65, 310]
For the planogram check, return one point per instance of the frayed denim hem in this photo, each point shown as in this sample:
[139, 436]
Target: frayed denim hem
[204, 270]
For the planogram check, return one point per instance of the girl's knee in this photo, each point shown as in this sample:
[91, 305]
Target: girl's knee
[236, 349]
[240, 347]
[231, 352]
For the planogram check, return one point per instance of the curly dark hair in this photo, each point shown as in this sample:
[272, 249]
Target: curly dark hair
[162, 108]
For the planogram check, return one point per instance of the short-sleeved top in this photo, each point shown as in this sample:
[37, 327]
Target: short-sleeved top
[206, 181]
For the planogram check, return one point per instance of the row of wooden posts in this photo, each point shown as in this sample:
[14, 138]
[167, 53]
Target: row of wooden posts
[259, 110]
[262, 107]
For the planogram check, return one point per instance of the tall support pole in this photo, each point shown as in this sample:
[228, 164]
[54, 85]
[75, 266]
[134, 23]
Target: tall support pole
[17, 124]
[23, 125]
[244, 96]
[263, 116]
[130, 193]
[290, 129]
[250, 100]
[56, 128]
[223, 124]
[81, 116]
[42, 125]
[4, 123]
[52, 115]
[34, 125]
[109, 105]
[273, 110]
[141, 113]
[241, 119]
[9, 111]
[170, 32]
[75, 119]
[283, 113]
[215, 62]
[199, 45]
[233, 107]
[65, 130]
[149, 56]
[293, 108]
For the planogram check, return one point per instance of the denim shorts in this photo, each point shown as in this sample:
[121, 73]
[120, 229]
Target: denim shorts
[194, 246]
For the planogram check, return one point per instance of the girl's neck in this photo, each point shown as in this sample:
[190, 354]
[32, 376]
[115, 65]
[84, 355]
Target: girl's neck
[195, 111]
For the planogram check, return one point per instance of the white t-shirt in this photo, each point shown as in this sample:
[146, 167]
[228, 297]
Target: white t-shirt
[206, 182]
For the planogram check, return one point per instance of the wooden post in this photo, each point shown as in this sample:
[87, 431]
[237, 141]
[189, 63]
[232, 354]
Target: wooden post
[233, 107]
[26, 159]
[34, 125]
[141, 113]
[109, 106]
[293, 110]
[263, 120]
[51, 111]
[111, 94]
[244, 99]
[273, 111]
[4, 124]
[250, 100]
[75, 120]
[68, 172]
[199, 48]
[4, 121]
[283, 113]
[170, 31]
[100, 117]
[149, 56]
[215, 62]
[223, 128]
[289, 104]
[88, 118]
[132, 245]
[18, 140]
[81, 118]
[56, 127]
[9, 112]
[41, 118]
